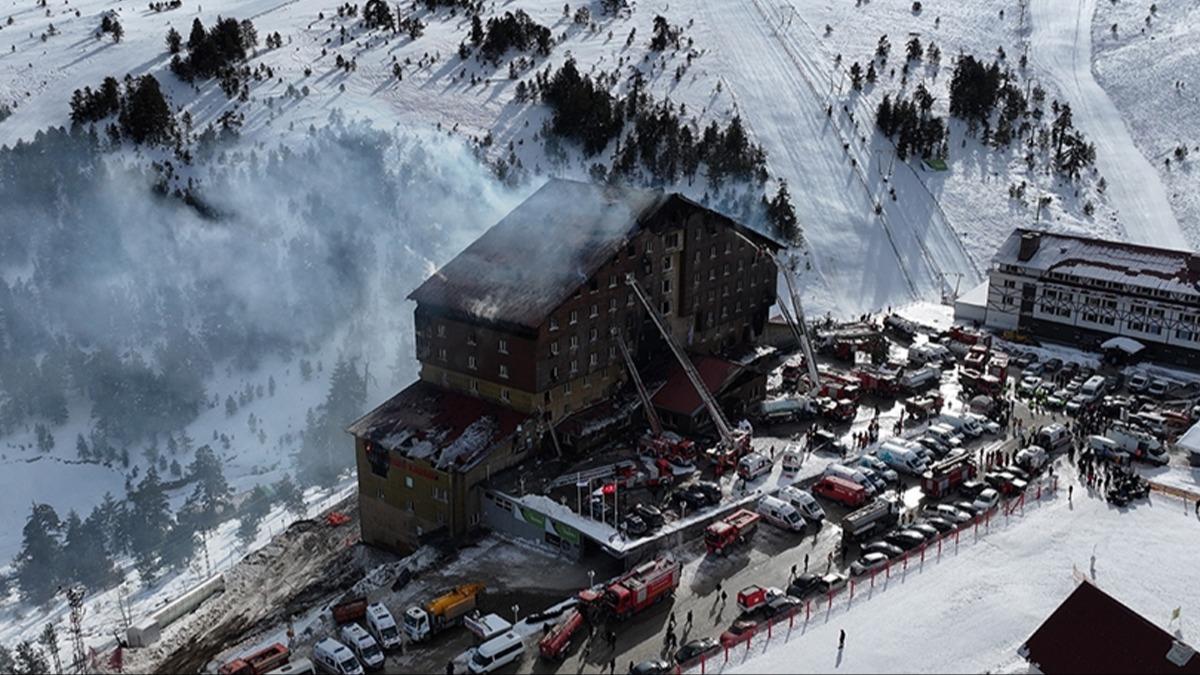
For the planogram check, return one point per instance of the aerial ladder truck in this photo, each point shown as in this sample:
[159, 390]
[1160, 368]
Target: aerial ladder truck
[733, 443]
[836, 408]
[659, 443]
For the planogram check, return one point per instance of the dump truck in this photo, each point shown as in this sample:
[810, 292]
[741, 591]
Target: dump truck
[639, 588]
[258, 663]
[872, 518]
[446, 610]
[354, 609]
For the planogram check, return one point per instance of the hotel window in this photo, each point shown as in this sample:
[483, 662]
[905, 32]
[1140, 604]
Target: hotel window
[666, 263]
[574, 317]
[612, 281]
[595, 311]
[408, 481]
[726, 247]
[574, 342]
[666, 307]
[471, 339]
[505, 396]
[567, 387]
[612, 304]
[725, 270]
[612, 351]
[649, 246]
[574, 366]
[712, 251]
[503, 372]
[554, 348]
[503, 348]
[593, 334]
[554, 374]
[587, 381]
[1189, 327]
[441, 330]
[672, 240]
[712, 274]
[474, 385]
[440, 494]
[666, 286]
[441, 353]
[471, 362]
[553, 323]
[593, 359]
[741, 265]
[629, 300]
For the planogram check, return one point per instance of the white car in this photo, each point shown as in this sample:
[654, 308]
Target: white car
[1158, 388]
[878, 466]
[868, 563]
[1029, 385]
[987, 500]
[1033, 459]
[948, 512]
[1138, 382]
[989, 427]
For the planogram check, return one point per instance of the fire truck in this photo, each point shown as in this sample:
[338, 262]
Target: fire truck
[736, 528]
[639, 588]
[943, 477]
[554, 644]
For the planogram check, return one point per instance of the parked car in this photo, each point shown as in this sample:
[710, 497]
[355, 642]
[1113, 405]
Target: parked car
[880, 467]
[738, 632]
[987, 500]
[868, 563]
[634, 525]
[988, 425]
[1138, 382]
[947, 512]
[968, 507]
[831, 582]
[1058, 400]
[926, 530]
[890, 550]
[653, 667]
[803, 585]
[1052, 365]
[938, 523]
[905, 539]
[651, 514]
[1158, 387]
[694, 649]
[1029, 385]
[780, 605]
[1033, 459]
[971, 488]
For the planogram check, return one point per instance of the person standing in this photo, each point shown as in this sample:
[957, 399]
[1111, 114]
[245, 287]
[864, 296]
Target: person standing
[806, 555]
[841, 639]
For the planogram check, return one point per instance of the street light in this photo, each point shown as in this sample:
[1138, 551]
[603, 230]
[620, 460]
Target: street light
[516, 618]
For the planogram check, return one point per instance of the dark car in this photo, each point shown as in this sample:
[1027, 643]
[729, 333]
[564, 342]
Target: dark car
[694, 649]
[803, 585]
[929, 531]
[1017, 472]
[939, 524]
[905, 539]
[653, 667]
[652, 515]
[890, 550]
[710, 490]
[971, 488]
[1052, 365]
[780, 606]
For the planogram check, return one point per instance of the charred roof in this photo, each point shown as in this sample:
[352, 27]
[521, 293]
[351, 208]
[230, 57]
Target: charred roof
[536, 256]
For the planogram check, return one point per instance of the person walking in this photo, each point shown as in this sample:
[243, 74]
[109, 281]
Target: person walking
[1198, 507]
[841, 639]
[806, 558]
[1071, 491]
[689, 620]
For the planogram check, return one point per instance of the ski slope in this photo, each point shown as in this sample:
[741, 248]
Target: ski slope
[972, 610]
[1061, 47]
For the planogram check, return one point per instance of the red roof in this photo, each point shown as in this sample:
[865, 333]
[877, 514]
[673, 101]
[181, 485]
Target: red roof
[679, 396]
[1092, 632]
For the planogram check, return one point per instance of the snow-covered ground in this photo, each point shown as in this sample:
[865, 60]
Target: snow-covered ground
[1149, 70]
[1061, 47]
[971, 610]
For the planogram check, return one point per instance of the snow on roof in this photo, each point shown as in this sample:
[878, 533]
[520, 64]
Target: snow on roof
[1147, 267]
[976, 296]
[451, 430]
[536, 256]
[1125, 344]
[1190, 440]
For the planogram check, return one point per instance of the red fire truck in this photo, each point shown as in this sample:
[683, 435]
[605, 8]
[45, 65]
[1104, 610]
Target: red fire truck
[637, 589]
[943, 477]
[731, 530]
[555, 643]
[259, 662]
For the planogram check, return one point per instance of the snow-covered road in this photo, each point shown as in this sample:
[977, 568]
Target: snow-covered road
[1061, 50]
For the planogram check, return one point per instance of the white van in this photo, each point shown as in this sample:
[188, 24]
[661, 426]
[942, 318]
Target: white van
[919, 379]
[1141, 444]
[495, 653]
[781, 514]
[852, 475]
[382, 626]
[1105, 447]
[945, 435]
[793, 459]
[1094, 388]
[363, 645]
[297, 667]
[804, 502]
[901, 458]
[753, 465]
[963, 424]
[335, 658]
[1053, 437]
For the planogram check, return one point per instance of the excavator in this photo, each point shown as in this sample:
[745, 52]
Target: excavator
[734, 442]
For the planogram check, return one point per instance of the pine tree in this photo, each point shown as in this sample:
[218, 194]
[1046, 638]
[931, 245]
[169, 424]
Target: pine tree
[148, 522]
[377, 14]
[477, 34]
[197, 37]
[856, 76]
[174, 41]
[81, 448]
[117, 31]
[211, 494]
[49, 641]
[30, 660]
[38, 562]
[7, 664]
[86, 554]
[251, 514]
[322, 454]
[291, 496]
[146, 116]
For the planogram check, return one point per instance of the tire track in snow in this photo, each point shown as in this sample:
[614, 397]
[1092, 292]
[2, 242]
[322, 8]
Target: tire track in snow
[1061, 50]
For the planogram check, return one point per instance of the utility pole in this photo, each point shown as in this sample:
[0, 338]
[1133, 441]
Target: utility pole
[75, 595]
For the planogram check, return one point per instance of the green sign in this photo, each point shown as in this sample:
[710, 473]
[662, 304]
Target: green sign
[567, 532]
[533, 517]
